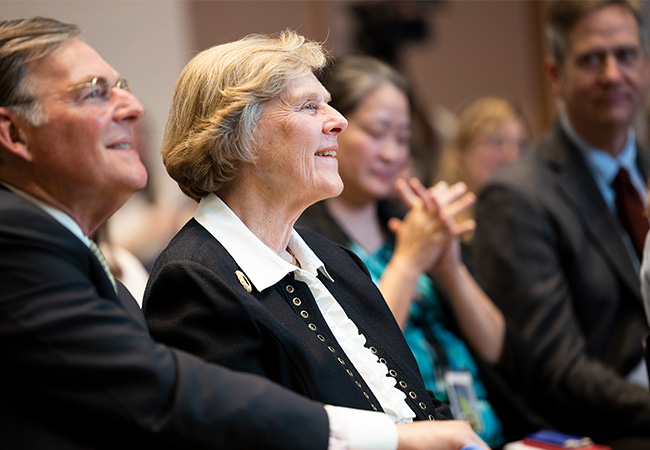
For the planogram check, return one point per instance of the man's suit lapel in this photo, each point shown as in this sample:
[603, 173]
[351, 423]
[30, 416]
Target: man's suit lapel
[576, 185]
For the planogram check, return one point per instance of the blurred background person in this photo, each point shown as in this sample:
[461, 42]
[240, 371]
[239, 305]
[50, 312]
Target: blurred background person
[489, 133]
[444, 315]
[560, 231]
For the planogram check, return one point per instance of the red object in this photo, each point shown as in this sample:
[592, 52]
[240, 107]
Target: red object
[631, 211]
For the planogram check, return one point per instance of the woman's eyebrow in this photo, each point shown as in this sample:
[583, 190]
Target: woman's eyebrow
[312, 94]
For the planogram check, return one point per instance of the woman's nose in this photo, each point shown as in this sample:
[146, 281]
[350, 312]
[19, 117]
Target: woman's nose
[336, 123]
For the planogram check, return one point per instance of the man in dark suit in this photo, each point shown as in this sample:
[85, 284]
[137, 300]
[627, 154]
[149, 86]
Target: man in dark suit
[79, 368]
[550, 248]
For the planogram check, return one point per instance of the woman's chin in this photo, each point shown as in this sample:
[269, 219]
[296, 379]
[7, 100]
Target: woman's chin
[336, 188]
[332, 188]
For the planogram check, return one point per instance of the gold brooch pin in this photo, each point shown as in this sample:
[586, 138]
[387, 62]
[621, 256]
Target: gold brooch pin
[243, 280]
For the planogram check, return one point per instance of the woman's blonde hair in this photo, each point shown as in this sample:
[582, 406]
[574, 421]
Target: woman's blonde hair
[473, 122]
[218, 100]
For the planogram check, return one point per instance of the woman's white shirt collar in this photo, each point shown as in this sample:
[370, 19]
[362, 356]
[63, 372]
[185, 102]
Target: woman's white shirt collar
[262, 266]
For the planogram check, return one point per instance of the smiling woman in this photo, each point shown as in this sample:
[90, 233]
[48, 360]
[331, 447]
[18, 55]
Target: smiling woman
[252, 138]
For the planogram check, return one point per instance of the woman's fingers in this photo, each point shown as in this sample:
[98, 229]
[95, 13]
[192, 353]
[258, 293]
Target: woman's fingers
[442, 203]
[460, 205]
[394, 224]
[463, 227]
[408, 196]
[448, 194]
[430, 202]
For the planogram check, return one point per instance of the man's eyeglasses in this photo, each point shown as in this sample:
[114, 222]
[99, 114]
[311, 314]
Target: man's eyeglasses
[99, 88]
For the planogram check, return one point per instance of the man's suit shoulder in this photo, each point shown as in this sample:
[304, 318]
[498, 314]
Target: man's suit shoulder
[22, 221]
[15, 212]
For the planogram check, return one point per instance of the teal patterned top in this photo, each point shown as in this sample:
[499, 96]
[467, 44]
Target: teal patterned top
[437, 350]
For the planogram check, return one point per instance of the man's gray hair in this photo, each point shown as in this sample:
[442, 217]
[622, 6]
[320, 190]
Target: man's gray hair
[23, 41]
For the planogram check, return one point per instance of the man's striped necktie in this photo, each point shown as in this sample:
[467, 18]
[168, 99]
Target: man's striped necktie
[102, 260]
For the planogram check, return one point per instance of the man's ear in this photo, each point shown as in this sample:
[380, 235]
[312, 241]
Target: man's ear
[553, 75]
[12, 135]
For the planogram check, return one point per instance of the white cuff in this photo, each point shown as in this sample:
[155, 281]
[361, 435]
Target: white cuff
[353, 429]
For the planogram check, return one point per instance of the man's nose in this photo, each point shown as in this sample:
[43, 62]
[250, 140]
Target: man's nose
[128, 106]
[611, 70]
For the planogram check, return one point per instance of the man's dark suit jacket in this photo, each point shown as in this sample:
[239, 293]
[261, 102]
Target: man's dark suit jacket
[80, 370]
[550, 254]
[195, 301]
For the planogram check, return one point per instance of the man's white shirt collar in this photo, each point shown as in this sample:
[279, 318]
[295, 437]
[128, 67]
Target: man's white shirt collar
[600, 161]
[262, 266]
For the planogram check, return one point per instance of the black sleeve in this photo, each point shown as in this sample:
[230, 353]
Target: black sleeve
[74, 358]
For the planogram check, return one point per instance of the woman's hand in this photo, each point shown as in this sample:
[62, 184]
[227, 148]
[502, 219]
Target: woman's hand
[429, 232]
[425, 240]
[480, 321]
[433, 224]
